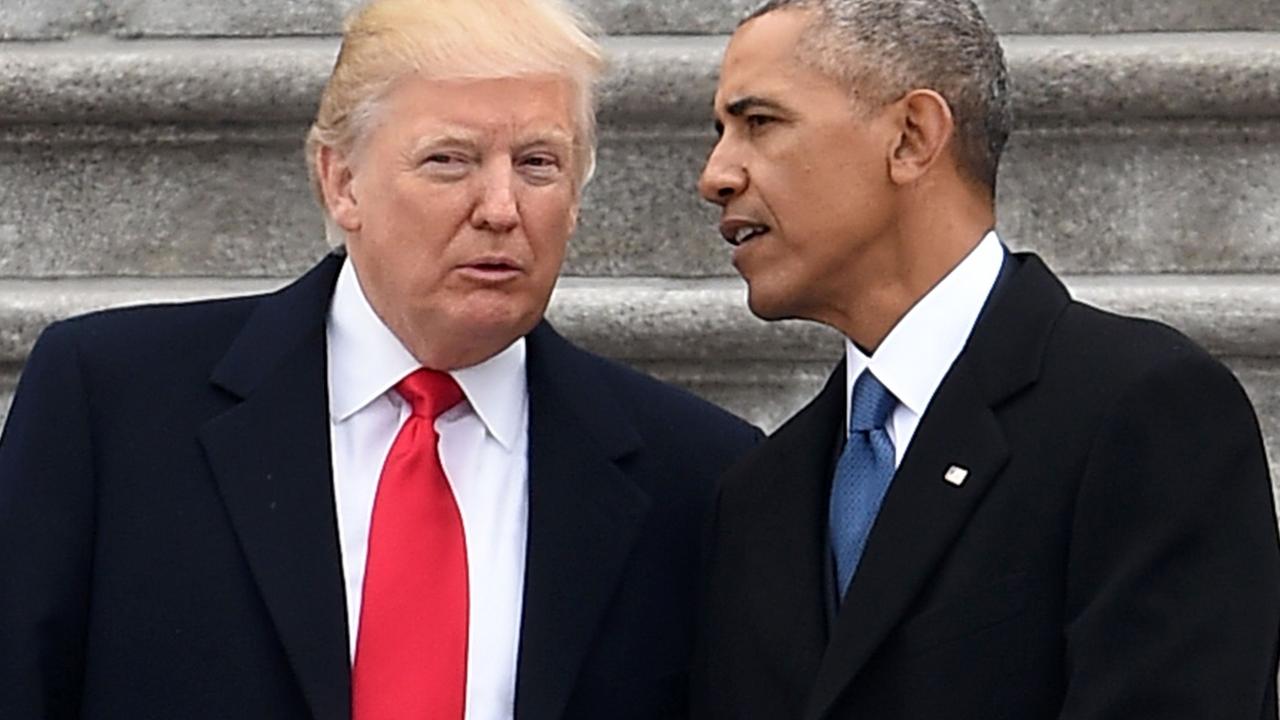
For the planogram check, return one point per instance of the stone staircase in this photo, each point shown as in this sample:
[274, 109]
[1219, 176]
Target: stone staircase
[151, 149]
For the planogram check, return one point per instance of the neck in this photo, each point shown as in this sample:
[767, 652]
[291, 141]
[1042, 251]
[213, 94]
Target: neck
[934, 232]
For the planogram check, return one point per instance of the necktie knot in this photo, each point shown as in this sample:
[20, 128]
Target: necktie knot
[429, 392]
[871, 404]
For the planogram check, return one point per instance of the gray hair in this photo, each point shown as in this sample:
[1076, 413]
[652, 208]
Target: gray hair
[887, 48]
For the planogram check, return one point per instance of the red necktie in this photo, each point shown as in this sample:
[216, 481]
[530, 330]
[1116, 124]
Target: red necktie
[411, 650]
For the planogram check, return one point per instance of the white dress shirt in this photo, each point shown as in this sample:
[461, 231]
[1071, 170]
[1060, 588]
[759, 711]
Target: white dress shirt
[484, 452]
[917, 353]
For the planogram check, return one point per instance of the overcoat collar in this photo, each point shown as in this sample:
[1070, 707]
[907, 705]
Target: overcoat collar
[923, 513]
[270, 456]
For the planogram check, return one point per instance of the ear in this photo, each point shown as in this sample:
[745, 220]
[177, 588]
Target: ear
[925, 129]
[336, 184]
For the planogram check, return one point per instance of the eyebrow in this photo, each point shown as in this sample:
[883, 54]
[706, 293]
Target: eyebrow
[471, 139]
[447, 136]
[739, 107]
[554, 136]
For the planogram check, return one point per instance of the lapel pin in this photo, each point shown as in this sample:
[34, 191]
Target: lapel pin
[956, 475]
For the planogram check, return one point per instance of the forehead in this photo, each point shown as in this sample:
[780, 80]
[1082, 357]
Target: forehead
[762, 56]
[533, 103]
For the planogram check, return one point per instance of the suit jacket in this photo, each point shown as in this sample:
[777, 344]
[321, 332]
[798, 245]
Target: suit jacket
[168, 539]
[1112, 552]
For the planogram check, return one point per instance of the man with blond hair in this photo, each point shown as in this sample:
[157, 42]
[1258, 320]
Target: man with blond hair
[389, 490]
[1004, 503]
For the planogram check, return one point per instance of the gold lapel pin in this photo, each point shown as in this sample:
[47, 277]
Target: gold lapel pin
[956, 475]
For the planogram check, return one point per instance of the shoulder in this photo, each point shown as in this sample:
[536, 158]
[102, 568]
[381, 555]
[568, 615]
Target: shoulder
[170, 331]
[670, 421]
[130, 324]
[673, 414]
[1123, 350]
[141, 352]
[183, 332]
[1083, 359]
[1120, 388]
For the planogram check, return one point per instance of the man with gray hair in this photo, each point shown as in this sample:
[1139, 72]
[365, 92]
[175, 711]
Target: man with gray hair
[1004, 503]
[389, 490]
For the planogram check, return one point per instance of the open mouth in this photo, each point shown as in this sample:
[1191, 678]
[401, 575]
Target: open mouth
[737, 234]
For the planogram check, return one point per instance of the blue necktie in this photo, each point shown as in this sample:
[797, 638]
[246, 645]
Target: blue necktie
[862, 475]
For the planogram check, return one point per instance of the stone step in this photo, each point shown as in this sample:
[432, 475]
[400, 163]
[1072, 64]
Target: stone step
[699, 334]
[1143, 154]
[1194, 197]
[48, 19]
[658, 79]
[644, 319]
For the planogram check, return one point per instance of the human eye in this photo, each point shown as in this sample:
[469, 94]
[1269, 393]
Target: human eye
[446, 164]
[442, 159]
[540, 166]
[541, 161]
[757, 121]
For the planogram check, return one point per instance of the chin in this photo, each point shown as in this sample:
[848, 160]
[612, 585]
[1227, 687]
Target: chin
[468, 336]
[498, 326]
[766, 305]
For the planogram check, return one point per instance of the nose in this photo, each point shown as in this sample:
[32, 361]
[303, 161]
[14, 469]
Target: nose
[497, 208]
[722, 179]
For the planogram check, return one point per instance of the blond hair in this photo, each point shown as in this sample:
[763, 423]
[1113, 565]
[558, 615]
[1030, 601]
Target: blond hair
[385, 40]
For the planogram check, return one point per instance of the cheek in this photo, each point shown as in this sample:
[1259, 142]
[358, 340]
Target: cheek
[412, 204]
[841, 189]
[549, 219]
[797, 185]
[425, 219]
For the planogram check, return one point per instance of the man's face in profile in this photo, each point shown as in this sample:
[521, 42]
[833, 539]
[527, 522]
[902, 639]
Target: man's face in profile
[463, 197]
[801, 174]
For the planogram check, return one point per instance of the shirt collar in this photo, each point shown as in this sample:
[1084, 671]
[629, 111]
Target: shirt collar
[917, 353]
[366, 360]
[498, 391]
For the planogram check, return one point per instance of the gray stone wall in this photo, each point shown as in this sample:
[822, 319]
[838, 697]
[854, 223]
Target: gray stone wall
[1147, 155]
[56, 19]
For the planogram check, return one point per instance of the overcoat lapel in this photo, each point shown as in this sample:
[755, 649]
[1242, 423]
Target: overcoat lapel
[270, 456]
[783, 510]
[922, 513]
[584, 515]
